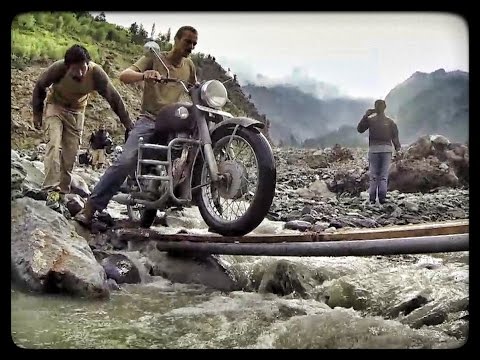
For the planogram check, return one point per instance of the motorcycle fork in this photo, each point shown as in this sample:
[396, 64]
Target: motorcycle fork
[204, 136]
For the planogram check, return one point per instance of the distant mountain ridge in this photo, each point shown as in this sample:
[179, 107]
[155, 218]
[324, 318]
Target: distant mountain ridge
[431, 103]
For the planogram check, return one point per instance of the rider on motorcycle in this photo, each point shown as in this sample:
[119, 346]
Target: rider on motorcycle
[156, 96]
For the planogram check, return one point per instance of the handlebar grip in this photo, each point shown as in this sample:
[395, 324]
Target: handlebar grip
[166, 80]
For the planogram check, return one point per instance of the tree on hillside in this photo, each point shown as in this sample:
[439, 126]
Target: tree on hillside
[133, 29]
[138, 33]
[101, 17]
[80, 14]
[168, 35]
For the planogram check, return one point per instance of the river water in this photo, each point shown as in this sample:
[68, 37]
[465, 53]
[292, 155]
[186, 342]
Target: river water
[343, 302]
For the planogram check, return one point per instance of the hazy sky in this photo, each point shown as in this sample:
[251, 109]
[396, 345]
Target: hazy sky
[362, 54]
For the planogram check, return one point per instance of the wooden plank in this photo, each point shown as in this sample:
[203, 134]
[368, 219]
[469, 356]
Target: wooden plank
[355, 234]
[447, 228]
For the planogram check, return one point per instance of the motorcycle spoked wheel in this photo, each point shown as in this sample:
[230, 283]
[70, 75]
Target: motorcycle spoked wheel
[263, 193]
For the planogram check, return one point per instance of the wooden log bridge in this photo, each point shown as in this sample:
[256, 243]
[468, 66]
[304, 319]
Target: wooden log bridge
[405, 239]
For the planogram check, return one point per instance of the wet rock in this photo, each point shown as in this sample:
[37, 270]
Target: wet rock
[112, 285]
[289, 311]
[344, 294]
[182, 267]
[48, 255]
[98, 227]
[284, 278]
[407, 306]
[298, 225]
[17, 177]
[119, 268]
[34, 193]
[74, 203]
[79, 186]
[427, 315]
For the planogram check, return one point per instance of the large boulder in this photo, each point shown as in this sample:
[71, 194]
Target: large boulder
[437, 147]
[318, 159]
[188, 268]
[412, 175]
[47, 254]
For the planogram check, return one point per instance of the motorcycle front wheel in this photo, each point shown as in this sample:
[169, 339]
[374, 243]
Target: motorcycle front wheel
[240, 202]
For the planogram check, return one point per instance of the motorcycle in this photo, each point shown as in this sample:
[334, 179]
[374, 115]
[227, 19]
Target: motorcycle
[225, 165]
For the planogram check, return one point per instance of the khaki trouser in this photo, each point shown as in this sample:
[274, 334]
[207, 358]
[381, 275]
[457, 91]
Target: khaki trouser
[98, 157]
[63, 131]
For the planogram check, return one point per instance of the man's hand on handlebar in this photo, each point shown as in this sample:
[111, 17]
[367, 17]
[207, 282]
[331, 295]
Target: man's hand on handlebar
[152, 75]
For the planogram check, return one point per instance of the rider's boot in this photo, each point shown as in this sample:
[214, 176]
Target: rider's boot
[85, 215]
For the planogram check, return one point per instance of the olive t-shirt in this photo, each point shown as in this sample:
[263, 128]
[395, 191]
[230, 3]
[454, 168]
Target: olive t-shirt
[157, 95]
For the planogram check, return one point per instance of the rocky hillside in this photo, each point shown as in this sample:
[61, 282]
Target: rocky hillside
[297, 116]
[431, 103]
[36, 44]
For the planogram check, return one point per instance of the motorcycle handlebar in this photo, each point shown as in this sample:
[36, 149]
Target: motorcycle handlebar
[165, 80]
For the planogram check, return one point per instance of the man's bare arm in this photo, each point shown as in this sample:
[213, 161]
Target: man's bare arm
[105, 88]
[52, 75]
[129, 76]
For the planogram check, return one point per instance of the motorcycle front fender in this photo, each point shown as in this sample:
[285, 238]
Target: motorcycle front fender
[241, 121]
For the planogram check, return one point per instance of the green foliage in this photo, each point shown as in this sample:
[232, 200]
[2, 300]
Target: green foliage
[25, 21]
[42, 36]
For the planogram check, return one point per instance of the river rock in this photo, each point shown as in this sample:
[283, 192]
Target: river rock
[48, 255]
[121, 269]
[182, 267]
[284, 278]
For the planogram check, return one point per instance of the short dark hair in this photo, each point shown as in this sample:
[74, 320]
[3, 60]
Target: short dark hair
[380, 102]
[180, 31]
[76, 54]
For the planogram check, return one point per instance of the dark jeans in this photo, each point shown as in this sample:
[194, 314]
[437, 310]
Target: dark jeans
[379, 164]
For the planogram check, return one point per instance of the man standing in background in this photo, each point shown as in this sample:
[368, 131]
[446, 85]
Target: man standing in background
[99, 140]
[382, 133]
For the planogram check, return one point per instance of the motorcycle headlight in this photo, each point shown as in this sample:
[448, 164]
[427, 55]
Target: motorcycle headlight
[214, 94]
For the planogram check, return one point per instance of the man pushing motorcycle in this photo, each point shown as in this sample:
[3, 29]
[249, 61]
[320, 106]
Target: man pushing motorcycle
[156, 96]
